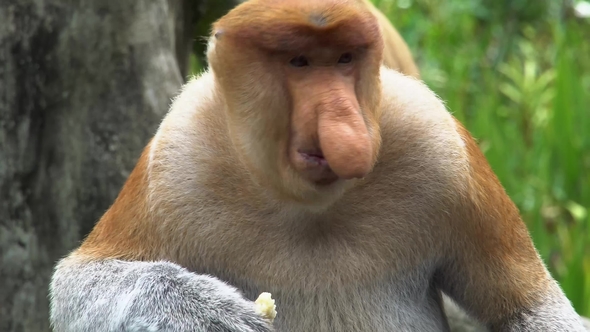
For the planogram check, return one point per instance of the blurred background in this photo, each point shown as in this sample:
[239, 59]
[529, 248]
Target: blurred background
[84, 85]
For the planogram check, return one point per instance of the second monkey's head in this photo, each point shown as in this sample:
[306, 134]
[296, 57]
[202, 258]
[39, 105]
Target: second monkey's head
[300, 82]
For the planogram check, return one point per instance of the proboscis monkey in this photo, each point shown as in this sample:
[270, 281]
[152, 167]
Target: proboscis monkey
[298, 165]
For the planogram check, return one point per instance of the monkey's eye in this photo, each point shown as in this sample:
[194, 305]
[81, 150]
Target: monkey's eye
[345, 58]
[299, 61]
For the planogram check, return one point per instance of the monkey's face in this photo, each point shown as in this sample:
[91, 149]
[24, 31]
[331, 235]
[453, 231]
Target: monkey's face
[329, 136]
[302, 88]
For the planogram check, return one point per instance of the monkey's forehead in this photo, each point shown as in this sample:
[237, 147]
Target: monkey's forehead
[284, 25]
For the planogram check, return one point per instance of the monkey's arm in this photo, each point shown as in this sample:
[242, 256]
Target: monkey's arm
[493, 270]
[115, 295]
[459, 321]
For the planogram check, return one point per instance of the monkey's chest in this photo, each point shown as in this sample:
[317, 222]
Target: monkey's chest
[385, 305]
[334, 279]
[309, 253]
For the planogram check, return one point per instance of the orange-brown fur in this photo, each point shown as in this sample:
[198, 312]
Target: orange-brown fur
[124, 231]
[491, 233]
[217, 198]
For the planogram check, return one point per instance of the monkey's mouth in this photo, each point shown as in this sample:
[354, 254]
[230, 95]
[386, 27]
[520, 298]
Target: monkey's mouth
[315, 158]
[314, 166]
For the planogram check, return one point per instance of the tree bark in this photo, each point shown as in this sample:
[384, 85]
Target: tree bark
[83, 86]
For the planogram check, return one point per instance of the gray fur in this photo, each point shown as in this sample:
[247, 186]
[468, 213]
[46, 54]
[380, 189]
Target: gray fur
[554, 314]
[117, 296]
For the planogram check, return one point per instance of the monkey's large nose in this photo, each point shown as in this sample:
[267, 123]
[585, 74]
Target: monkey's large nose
[345, 141]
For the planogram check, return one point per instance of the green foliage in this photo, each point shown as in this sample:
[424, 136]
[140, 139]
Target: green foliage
[517, 74]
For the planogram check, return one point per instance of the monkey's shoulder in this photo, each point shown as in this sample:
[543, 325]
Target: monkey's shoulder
[194, 129]
[421, 142]
[411, 108]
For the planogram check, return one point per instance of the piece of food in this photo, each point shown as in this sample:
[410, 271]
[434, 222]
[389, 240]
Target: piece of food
[265, 306]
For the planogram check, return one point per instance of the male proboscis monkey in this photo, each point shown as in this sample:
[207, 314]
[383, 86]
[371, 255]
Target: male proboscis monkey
[298, 165]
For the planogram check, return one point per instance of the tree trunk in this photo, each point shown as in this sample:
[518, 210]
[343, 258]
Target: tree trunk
[83, 86]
